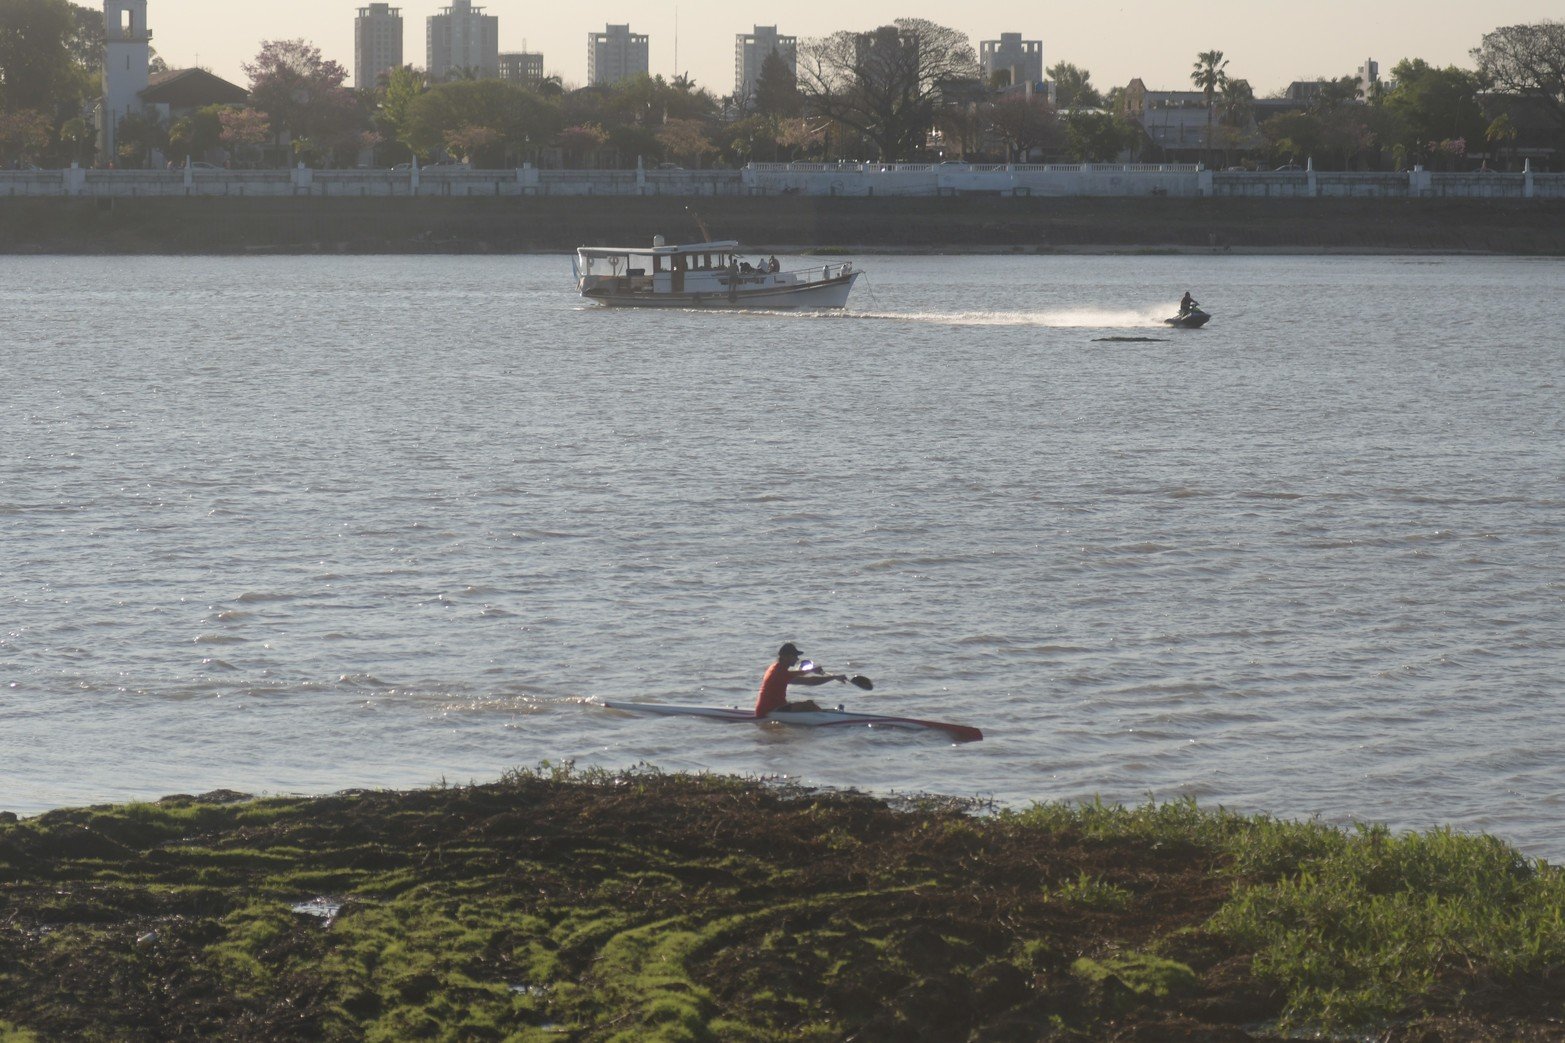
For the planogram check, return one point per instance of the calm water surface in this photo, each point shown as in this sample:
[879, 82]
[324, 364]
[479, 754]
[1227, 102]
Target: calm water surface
[297, 525]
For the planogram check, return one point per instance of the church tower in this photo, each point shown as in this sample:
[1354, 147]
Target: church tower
[126, 60]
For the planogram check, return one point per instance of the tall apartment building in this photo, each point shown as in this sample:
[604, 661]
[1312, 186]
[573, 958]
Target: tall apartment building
[523, 67]
[1021, 59]
[750, 53]
[615, 54]
[1369, 75]
[462, 38]
[377, 43]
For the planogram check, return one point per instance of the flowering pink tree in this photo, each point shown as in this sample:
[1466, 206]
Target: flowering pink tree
[24, 134]
[303, 96]
[581, 140]
[243, 129]
[480, 146]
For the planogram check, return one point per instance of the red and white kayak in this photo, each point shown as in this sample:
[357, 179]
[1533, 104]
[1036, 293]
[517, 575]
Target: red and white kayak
[803, 718]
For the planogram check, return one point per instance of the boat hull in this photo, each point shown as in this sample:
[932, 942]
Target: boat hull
[1191, 321]
[820, 295]
[803, 718]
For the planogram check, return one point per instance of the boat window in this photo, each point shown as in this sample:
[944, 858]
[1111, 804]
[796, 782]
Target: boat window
[657, 263]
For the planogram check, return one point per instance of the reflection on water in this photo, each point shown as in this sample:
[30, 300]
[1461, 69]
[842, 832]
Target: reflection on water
[296, 525]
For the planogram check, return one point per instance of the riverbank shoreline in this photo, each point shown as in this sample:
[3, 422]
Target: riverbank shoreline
[604, 905]
[944, 225]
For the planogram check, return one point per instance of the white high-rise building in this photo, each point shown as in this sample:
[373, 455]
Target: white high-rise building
[461, 38]
[127, 58]
[615, 54]
[1369, 75]
[750, 53]
[377, 43]
[1021, 59]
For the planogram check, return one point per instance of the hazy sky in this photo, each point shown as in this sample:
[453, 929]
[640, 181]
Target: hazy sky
[1270, 42]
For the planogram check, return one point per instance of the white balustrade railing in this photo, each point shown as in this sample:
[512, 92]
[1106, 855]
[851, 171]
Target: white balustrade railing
[811, 179]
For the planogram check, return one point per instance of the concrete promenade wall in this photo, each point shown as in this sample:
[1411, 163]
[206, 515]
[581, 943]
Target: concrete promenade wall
[852, 180]
[782, 224]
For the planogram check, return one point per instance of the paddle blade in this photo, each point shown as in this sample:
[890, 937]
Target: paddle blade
[860, 681]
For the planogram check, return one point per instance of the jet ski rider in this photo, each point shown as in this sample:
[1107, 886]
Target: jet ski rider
[1187, 304]
[774, 686]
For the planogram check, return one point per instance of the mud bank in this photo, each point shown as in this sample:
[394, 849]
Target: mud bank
[557, 905]
[534, 224]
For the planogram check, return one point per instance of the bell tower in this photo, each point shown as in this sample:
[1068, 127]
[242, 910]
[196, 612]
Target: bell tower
[126, 60]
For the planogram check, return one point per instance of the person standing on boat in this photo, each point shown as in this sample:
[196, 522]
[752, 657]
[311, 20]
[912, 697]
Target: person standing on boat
[772, 265]
[774, 686]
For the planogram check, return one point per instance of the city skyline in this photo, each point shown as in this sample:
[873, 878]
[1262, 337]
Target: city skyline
[1270, 44]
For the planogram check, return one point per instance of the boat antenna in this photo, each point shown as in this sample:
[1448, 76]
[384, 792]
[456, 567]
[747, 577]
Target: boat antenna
[705, 235]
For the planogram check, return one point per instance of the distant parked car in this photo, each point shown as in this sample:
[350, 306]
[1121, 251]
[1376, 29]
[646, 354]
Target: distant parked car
[670, 166]
[205, 166]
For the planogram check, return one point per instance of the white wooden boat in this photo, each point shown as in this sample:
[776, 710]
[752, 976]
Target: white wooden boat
[705, 275]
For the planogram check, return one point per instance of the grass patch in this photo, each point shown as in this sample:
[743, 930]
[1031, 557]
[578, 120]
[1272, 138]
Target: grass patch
[638, 905]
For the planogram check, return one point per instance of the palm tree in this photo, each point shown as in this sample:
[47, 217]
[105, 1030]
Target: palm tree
[1209, 77]
[1238, 105]
[1499, 134]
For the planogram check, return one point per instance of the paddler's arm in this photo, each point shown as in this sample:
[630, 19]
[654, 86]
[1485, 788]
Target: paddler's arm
[812, 679]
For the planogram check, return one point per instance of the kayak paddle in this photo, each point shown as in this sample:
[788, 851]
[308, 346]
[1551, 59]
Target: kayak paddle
[857, 680]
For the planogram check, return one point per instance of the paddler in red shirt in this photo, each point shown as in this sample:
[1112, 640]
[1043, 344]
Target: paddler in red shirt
[781, 674]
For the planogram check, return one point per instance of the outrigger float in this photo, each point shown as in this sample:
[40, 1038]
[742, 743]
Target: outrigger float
[803, 718]
[705, 275]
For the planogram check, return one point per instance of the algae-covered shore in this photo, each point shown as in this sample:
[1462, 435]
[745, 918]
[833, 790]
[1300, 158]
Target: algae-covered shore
[638, 906]
[306, 225]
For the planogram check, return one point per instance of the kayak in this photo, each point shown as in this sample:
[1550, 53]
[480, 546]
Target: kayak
[803, 718]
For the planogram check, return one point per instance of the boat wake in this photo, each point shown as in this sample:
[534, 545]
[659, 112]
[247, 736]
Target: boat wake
[1067, 318]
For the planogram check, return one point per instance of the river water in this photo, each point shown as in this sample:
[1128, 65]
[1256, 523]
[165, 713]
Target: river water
[295, 525]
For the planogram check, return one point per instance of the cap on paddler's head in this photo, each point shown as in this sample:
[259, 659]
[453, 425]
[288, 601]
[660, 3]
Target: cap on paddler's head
[789, 649]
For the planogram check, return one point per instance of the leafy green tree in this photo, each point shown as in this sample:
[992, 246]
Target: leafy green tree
[685, 140]
[961, 129]
[798, 134]
[1073, 87]
[885, 83]
[403, 86]
[581, 141]
[1098, 137]
[1334, 94]
[24, 134]
[196, 134]
[777, 89]
[139, 134]
[1433, 105]
[86, 40]
[77, 138]
[36, 70]
[1235, 117]
[1209, 76]
[1527, 60]
[1023, 124]
[519, 120]
[753, 138]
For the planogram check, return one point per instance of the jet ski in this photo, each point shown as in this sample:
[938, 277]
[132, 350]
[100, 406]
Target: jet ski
[1193, 319]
